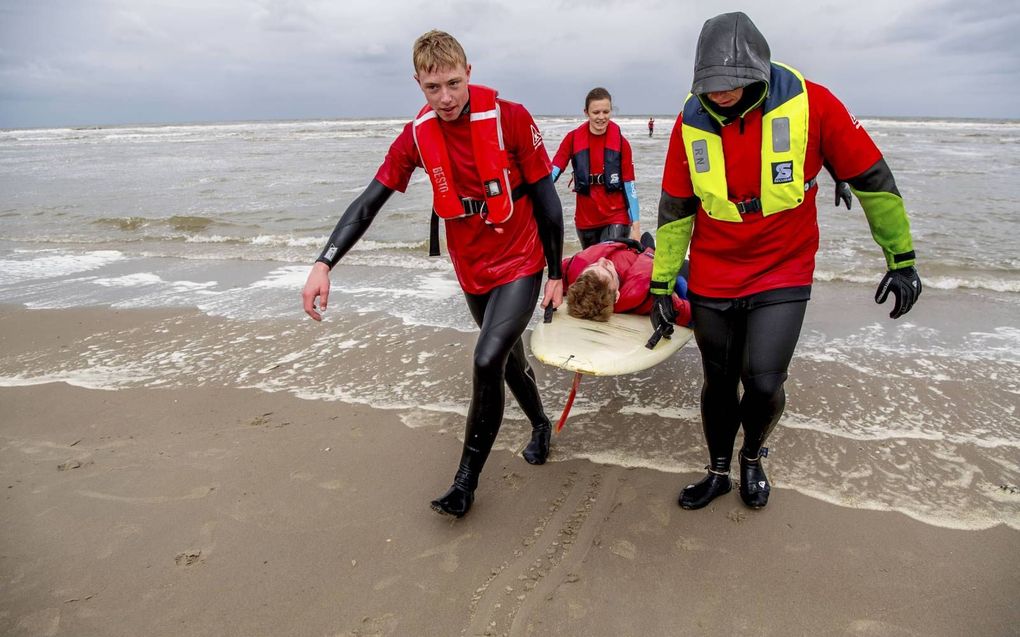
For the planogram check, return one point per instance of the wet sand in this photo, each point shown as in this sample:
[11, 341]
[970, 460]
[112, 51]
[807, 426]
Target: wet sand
[209, 510]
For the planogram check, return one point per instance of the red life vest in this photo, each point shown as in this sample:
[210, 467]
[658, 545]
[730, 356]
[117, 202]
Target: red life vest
[612, 160]
[490, 158]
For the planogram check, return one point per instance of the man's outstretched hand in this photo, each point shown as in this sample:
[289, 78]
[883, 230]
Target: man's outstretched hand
[317, 286]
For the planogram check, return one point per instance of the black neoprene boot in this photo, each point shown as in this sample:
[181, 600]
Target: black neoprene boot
[754, 484]
[713, 485]
[458, 499]
[538, 449]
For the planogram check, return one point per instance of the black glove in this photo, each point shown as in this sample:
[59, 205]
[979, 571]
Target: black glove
[842, 194]
[905, 285]
[663, 315]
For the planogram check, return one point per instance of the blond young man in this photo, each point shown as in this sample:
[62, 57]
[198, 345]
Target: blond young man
[489, 172]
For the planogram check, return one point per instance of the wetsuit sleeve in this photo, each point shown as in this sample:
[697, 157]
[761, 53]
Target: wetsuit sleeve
[354, 222]
[854, 158]
[565, 152]
[633, 206]
[549, 218]
[887, 216]
[677, 210]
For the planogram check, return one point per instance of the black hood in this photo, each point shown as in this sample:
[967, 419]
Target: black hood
[731, 54]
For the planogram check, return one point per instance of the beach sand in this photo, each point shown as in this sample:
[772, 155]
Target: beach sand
[225, 511]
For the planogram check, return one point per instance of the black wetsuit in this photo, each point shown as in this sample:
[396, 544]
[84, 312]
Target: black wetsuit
[749, 342]
[592, 236]
[502, 314]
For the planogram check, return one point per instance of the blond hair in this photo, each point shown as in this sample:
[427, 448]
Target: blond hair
[437, 50]
[589, 297]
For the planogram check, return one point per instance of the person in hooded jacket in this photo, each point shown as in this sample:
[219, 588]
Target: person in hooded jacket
[739, 189]
[607, 204]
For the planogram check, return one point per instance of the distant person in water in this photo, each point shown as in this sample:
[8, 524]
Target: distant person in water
[607, 204]
[490, 182]
[651, 126]
[739, 189]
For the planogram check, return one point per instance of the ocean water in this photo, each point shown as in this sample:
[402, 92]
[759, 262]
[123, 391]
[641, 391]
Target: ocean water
[222, 221]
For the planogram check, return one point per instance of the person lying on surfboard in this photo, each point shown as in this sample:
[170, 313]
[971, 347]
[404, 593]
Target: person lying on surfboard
[613, 277]
[604, 283]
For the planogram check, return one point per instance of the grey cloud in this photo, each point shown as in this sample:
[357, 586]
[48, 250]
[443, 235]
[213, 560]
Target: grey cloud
[970, 28]
[68, 61]
[287, 16]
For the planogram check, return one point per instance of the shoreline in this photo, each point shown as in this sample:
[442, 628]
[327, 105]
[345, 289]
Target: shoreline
[844, 439]
[211, 511]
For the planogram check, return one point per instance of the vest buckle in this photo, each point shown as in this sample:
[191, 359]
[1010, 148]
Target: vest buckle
[597, 180]
[473, 206]
[748, 206]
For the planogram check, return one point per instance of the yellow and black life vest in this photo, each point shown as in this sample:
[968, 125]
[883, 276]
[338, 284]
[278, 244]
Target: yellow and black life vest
[783, 148]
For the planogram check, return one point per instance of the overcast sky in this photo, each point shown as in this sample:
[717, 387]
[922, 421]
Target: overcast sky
[79, 62]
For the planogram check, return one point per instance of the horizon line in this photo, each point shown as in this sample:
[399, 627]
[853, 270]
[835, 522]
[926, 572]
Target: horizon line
[214, 122]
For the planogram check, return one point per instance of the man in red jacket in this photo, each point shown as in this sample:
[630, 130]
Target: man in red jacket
[491, 183]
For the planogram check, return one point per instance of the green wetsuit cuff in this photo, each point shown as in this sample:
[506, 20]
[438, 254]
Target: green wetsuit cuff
[889, 225]
[672, 241]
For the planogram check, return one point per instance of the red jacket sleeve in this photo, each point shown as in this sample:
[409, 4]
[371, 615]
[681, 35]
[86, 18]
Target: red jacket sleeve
[565, 152]
[401, 160]
[845, 145]
[635, 272]
[676, 175]
[628, 162]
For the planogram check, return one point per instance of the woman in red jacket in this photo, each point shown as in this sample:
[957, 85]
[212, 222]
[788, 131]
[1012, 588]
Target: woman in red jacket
[607, 205]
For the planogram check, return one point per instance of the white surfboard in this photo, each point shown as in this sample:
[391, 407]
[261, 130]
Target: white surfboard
[602, 349]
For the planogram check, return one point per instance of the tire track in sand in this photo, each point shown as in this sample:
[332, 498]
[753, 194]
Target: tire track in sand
[583, 537]
[497, 604]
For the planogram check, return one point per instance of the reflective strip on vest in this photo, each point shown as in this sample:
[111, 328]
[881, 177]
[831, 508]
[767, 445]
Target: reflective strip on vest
[489, 154]
[783, 149]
